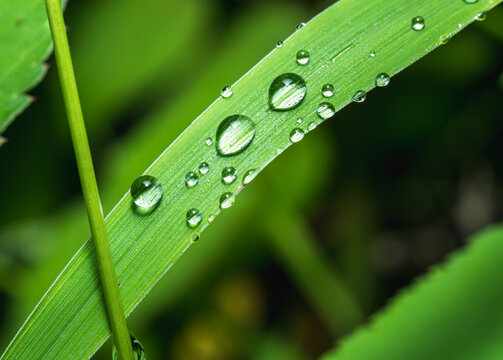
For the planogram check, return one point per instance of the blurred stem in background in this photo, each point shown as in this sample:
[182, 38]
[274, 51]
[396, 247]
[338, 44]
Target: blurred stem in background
[88, 180]
[326, 290]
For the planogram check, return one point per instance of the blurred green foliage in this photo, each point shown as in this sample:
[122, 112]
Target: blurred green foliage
[398, 182]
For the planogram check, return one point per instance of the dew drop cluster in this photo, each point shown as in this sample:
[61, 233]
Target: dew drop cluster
[237, 132]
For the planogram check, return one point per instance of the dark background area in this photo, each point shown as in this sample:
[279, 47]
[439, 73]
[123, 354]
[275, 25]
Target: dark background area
[397, 184]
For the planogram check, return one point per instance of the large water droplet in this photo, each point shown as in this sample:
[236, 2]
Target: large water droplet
[226, 200]
[325, 110]
[327, 90]
[287, 91]
[191, 179]
[359, 96]
[234, 134]
[146, 191]
[382, 79]
[302, 57]
[226, 92]
[194, 218]
[417, 23]
[296, 135]
[229, 175]
[249, 176]
[138, 351]
[204, 168]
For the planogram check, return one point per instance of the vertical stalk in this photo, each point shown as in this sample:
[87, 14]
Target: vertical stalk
[116, 316]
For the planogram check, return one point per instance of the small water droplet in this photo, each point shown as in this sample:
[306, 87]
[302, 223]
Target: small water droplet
[226, 92]
[481, 17]
[470, 1]
[302, 57]
[249, 176]
[208, 141]
[312, 126]
[372, 53]
[229, 175]
[359, 96]
[191, 179]
[226, 200]
[417, 23]
[296, 135]
[279, 44]
[204, 168]
[325, 110]
[327, 90]
[301, 25]
[444, 39]
[211, 218]
[195, 238]
[138, 351]
[382, 79]
[146, 191]
[234, 134]
[194, 218]
[287, 91]
[299, 121]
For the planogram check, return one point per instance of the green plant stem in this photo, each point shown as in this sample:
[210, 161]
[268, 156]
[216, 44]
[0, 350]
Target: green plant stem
[326, 289]
[115, 312]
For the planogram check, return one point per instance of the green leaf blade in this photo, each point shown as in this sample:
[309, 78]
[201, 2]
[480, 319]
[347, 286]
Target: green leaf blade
[435, 319]
[70, 320]
[25, 42]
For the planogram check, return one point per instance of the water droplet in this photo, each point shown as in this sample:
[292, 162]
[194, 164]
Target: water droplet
[382, 79]
[211, 218]
[195, 238]
[229, 175]
[138, 351]
[287, 91]
[417, 23]
[191, 179]
[226, 200]
[279, 44]
[302, 57]
[204, 168]
[327, 90]
[234, 134]
[301, 25]
[470, 1]
[372, 53]
[226, 92]
[208, 141]
[312, 126]
[146, 191]
[444, 39]
[359, 96]
[325, 110]
[481, 17]
[249, 176]
[299, 121]
[194, 218]
[296, 135]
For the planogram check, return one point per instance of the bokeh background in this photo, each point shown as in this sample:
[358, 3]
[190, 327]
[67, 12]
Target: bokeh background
[362, 206]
